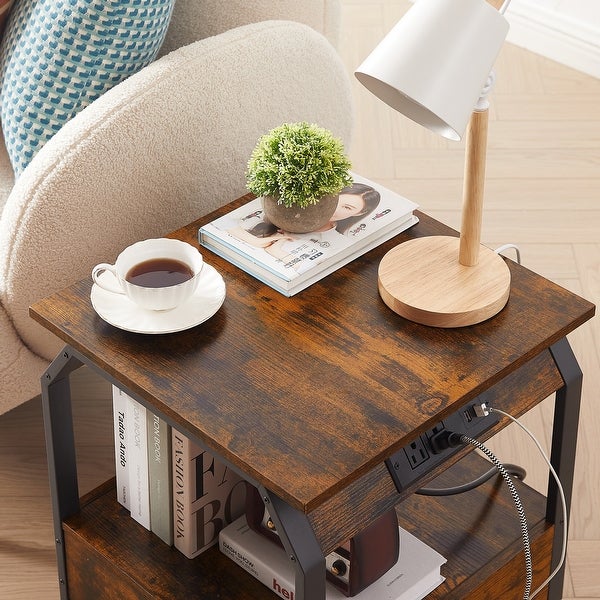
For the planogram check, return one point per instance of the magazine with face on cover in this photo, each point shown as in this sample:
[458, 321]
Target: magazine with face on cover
[367, 214]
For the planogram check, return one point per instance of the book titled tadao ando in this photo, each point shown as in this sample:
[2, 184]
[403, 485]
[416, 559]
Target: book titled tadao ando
[415, 574]
[207, 496]
[120, 401]
[368, 214]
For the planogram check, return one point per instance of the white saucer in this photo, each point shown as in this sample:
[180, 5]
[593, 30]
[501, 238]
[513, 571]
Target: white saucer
[121, 312]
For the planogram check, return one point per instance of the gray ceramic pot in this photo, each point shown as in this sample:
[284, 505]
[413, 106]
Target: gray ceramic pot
[300, 220]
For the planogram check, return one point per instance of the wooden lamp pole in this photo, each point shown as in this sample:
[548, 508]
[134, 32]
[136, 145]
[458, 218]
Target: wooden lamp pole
[445, 281]
[474, 178]
[474, 182]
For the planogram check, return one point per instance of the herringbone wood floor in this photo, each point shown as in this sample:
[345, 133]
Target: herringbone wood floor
[542, 192]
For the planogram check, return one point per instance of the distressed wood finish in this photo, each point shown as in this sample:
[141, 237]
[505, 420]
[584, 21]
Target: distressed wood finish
[479, 534]
[374, 493]
[112, 556]
[543, 135]
[307, 394]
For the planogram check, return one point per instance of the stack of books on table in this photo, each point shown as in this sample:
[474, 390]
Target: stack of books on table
[290, 262]
[416, 574]
[170, 485]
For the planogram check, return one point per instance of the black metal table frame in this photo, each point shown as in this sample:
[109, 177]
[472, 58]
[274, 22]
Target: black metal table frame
[293, 525]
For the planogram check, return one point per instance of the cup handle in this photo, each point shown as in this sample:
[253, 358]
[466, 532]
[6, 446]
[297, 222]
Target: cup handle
[103, 283]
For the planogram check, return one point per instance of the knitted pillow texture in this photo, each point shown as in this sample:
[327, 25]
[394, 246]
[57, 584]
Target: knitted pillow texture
[58, 56]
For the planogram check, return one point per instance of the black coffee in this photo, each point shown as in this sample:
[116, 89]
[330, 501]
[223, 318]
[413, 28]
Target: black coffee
[159, 272]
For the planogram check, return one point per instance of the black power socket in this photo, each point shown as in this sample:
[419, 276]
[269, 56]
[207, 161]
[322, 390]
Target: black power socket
[432, 448]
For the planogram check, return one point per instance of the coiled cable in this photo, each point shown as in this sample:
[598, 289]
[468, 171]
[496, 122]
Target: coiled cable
[517, 500]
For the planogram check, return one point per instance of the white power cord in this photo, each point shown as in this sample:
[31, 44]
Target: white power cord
[514, 247]
[560, 491]
[454, 439]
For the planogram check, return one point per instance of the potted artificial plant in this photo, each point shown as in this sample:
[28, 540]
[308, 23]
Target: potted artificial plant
[298, 169]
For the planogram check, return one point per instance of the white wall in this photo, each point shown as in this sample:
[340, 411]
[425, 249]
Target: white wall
[567, 31]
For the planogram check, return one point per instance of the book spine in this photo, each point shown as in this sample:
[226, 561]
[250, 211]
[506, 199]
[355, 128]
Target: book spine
[121, 455]
[261, 558]
[137, 444]
[159, 477]
[207, 495]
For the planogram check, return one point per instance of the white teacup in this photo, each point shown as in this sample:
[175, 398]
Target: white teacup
[156, 274]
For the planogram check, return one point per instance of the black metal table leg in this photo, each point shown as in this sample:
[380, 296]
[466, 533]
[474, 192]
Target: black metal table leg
[60, 448]
[562, 457]
[301, 545]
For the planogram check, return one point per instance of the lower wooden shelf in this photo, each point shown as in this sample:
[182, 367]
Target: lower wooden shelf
[109, 555]
[479, 533]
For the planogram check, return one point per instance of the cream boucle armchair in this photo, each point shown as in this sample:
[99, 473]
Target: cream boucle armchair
[162, 148]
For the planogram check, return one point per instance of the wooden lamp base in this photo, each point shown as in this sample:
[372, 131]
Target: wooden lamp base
[423, 281]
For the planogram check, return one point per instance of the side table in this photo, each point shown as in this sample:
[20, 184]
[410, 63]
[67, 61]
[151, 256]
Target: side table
[307, 398]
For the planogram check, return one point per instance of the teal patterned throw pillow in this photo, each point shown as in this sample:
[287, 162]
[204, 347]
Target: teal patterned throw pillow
[57, 56]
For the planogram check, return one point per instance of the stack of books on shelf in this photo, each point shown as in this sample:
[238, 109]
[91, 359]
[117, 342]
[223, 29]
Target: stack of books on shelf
[415, 574]
[192, 501]
[170, 485]
[368, 215]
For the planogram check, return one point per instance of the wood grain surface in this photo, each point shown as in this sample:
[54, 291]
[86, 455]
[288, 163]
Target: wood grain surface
[307, 394]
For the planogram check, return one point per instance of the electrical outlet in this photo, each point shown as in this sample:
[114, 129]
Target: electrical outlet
[416, 453]
[431, 449]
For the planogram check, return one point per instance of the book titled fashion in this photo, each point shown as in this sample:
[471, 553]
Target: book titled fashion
[367, 215]
[207, 496]
[415, 574]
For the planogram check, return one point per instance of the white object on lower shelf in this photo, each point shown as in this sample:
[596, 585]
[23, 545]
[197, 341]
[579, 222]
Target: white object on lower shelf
[415, 575]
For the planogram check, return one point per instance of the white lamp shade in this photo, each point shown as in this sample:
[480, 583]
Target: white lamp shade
[434, 63]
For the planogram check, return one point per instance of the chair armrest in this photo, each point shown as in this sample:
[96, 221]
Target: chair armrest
[198, 19]
[160, 149]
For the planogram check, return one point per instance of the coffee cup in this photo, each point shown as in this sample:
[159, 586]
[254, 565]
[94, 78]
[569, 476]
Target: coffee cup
[155, 274]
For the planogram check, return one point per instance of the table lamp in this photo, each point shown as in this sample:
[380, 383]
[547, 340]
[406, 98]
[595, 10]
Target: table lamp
[435, 68]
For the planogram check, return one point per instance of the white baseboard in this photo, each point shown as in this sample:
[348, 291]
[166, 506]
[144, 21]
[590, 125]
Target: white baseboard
[555, 35]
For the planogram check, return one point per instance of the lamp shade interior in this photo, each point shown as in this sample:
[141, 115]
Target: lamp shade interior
[434, 63]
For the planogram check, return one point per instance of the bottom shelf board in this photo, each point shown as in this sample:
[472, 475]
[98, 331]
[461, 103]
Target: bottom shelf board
[479, 533]
[110, 555]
